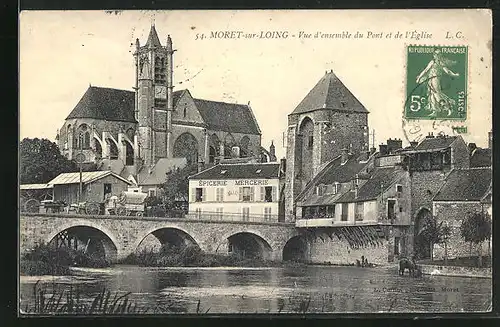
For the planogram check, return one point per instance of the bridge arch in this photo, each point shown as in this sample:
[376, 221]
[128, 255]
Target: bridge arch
[250, 244]
[172, 235]
[295, 249]
[83, 233]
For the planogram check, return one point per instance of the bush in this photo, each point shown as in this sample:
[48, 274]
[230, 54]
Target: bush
[48, 260]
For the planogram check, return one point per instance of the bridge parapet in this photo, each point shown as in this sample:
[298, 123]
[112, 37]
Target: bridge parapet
[127, 233]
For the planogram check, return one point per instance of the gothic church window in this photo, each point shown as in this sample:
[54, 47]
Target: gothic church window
[83, 139]
[160, 70]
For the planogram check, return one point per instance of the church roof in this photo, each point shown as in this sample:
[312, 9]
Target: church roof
[228, 117]
[105, 104]
[330, 93]
[153, 38]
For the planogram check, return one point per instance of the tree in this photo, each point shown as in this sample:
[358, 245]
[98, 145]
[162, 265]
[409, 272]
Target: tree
[434, 233]
[41, 161]
[476, 228]
[176, 187]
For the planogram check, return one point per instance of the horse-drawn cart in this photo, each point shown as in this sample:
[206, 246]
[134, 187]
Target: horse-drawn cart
[127, 204]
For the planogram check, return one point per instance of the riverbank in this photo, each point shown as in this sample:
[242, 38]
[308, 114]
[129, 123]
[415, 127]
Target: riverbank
[456, 271]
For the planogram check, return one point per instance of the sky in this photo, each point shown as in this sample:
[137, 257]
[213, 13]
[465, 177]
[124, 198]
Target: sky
[63, 52]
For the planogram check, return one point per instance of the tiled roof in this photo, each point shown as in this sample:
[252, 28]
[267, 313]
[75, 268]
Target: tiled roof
[481, 158]
[158, 173]
[240, 171]
[380, 179]
[333, 172]
[35, 186]
[87, 177]
[105, 104]
[330, 93]
[435, 143]
[228, 117]
[465, 185]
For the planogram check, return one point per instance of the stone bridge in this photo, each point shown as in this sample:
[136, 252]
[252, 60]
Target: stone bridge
[121, 236]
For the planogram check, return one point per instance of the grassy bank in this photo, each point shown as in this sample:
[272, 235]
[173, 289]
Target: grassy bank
[193, 256]
[48, 260]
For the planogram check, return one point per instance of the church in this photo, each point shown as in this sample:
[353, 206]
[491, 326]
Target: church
[144, 133]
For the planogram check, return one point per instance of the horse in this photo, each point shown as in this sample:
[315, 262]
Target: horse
[407, 264]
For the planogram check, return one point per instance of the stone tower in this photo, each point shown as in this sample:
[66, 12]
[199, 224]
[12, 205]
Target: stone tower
[154, 103]
[327, 120]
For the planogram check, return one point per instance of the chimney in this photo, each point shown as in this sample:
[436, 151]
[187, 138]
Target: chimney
[345, 156]
[373, 150]
[201, 164]
[413, 144]
[490, 140]
[471, 147]
[430, 136]
[383, 149]
[393, 145]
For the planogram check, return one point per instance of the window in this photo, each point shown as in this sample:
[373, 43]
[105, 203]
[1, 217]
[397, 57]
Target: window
[345, 207]
[310, 142]
[160, 70]
[358, 216]
[266, 193]
[331, 211]
[198, 213]
[219, 212]
[400, 209]
[336, 188]
[199, 194]
[267, 213]
[219, 194]
[391, 215]
[246, 194]
[152, 192]
[321, 190]
[245, 214]
[396, 245]
[399, 188]
[107, 189]
[185, 111]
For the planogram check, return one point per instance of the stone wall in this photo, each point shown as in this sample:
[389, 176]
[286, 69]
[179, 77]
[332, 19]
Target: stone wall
[424, 186]
[339, 252]
[453, 213]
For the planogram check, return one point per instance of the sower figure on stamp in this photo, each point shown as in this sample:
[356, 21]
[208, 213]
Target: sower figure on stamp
[437, 100]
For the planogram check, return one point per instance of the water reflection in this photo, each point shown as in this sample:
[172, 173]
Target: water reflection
[309, 289]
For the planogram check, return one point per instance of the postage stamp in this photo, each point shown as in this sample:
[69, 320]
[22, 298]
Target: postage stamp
[436, 83]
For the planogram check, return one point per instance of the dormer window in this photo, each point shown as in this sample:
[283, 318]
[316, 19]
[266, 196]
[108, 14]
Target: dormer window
[343, 104]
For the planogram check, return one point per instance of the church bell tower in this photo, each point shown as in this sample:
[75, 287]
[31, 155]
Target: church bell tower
[153, 100]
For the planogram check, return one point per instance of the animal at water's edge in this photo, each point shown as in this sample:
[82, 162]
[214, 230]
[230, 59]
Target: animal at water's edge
[413, 269]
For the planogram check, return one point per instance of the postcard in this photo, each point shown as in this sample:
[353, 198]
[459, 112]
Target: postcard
[255, 161]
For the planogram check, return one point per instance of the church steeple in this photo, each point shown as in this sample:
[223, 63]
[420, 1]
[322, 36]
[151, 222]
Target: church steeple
[153, 39]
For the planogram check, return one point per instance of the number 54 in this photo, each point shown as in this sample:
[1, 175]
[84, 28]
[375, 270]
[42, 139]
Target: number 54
[416, 102]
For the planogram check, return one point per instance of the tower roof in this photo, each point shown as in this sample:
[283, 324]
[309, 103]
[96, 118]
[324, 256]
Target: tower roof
[105, 104]
[329, 93]
[153, 38]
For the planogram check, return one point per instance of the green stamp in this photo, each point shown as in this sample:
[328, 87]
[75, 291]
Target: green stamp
[436, 83]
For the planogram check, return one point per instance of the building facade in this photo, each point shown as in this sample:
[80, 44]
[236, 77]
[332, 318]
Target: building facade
[237, 192]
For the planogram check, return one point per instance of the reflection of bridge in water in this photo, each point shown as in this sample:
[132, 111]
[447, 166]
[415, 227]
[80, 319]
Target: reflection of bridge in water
[118, 236]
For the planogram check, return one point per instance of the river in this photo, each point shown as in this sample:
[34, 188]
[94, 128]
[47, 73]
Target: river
[313, 289]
